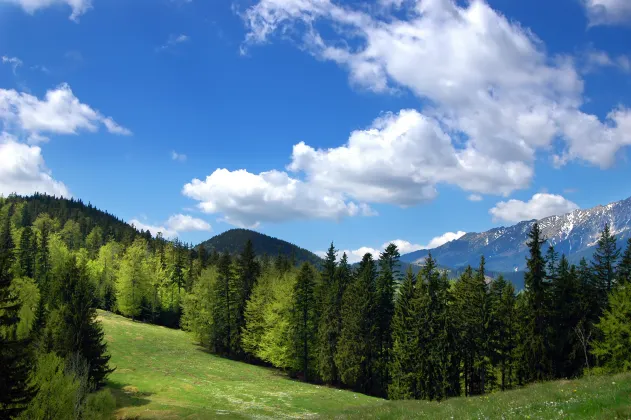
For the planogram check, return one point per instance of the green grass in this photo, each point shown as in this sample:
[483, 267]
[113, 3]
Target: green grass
[162, 374]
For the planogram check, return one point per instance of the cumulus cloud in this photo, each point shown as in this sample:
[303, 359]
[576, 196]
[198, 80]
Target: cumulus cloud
[176, 224]
[405, 247]
[78, 7]
[538, 207]
[246, 199]
[59, 112]
[23, 170]
[596, 59]
[488, 81]
[179, 157]
[608, 12]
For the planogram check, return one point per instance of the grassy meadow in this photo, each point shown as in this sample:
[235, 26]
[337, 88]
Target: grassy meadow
[162, 374]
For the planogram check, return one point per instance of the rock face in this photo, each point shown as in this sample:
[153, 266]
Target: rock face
[574, 234]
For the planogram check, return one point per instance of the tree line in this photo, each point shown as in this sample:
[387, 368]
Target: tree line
[368, 327]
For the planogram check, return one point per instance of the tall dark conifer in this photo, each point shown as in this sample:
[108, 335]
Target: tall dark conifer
[248, 270]
[303, 318]
[623, 274]
[604, 264]
[328, 331]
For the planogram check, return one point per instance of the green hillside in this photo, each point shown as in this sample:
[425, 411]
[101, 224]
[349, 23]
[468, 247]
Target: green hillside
[162, 374]
[233, 241]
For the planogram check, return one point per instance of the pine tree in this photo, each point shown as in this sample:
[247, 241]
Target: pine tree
[355, 356]
[623, 274]
[248, 271]
[27, 252]
[15, 389]
[80, 333]
[502, 329]
[604, 263]
[224, 307]
[403, 364]
[536, 323]
[384, 311]
[330, 312]
[614, 349]
[303, 320]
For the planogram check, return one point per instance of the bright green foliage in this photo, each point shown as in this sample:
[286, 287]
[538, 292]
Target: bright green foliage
[535, 334]
[303, 320]
[103, 271]
[356, 349]
[197, 307]
[404, 361]
[28, 297]
[71, 235]
[133, 279]
[614, 350]
[94, 241]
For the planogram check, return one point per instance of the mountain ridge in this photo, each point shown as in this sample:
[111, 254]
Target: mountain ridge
[573, 234]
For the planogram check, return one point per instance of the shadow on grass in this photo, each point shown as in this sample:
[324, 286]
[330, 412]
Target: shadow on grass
[128, 395]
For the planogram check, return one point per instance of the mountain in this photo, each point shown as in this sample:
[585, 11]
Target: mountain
[232, 241]
[574, 234]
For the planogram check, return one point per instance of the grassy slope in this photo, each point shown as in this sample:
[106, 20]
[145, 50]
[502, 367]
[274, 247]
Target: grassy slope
[162, 374]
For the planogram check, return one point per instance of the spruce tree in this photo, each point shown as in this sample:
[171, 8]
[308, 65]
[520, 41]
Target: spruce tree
[355, 356]
[604, 263]
[224, 306]
[613, 350]
[248, 270]
[15, 364]
[536, 318]
[403, 364]
[623, 274]
[384, 310]
[303, 320]
[328, 333]
[502, 329]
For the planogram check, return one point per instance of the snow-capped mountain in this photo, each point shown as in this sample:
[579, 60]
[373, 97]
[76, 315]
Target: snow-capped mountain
[574, 234]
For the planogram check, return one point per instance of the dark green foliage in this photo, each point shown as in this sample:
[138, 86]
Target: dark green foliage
[233, 241]
[224, 307]
[15, 361]
[623, 273]
[356, 350]
[330, 300]
[503, 329]
[535, 334]
[76, 330]
[604, 263]
[303, 322]
[248, 271]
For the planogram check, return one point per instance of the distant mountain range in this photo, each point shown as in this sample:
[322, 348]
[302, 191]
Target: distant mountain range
[232, 241]
[574, 234]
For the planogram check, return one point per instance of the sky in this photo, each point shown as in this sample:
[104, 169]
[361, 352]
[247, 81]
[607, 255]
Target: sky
[357, 122]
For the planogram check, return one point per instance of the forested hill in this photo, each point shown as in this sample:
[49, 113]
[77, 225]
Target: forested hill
[234, 240]
[62, 210]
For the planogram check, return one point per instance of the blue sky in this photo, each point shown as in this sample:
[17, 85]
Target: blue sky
[318, 120]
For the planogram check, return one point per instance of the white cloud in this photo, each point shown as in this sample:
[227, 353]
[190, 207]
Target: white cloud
[490, 84]
[186, 223]
[247, 199]
[405, 247]
[172, 41]
[23, 170]
[180, 157]
[608, 12]
[175, 225]
[14, 62]
[60, 112]
[474, 197]
[78, 7]
[538, 207]
[595, 59]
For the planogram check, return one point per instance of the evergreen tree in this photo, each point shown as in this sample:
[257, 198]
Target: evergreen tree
[248, 271]
[27, 253]
[623, 274]
[328, 332]
[355, 356]
[15, 389]
[133, 279]
[403, 364]
[535, 336]
[384, 310]
[614, 349]
[502, 329]
[94, 241]
[604, 263]
[303, 319]
[79, 332]
[224, 308]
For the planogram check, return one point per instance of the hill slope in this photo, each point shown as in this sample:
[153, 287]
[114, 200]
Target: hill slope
[232, 241]
[574, 234]
[160, 373]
